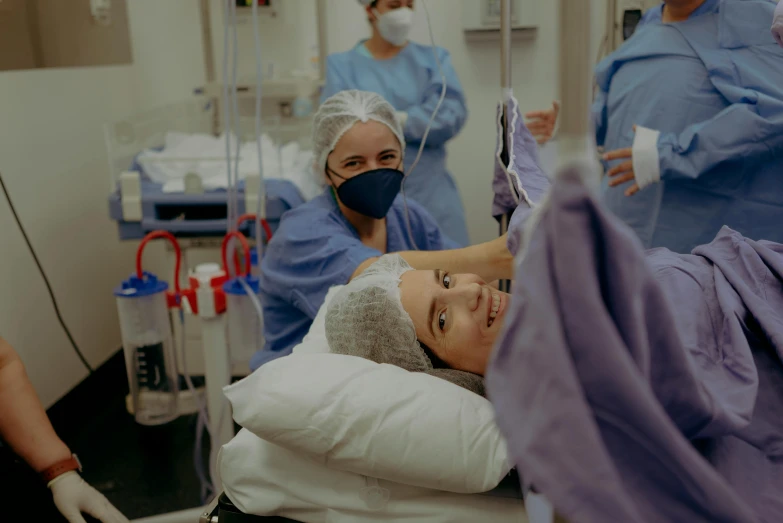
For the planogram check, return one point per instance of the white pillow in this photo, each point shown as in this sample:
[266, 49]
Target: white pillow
[381, 421]
[315, 341]
[264, 479]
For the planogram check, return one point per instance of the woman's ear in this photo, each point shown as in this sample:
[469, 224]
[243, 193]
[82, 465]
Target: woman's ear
[370, 15]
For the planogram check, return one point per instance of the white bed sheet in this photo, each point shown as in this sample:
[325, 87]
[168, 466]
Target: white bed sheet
[264, 479]
[205, 155]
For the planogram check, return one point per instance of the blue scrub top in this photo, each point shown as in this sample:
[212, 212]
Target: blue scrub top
[410, 82]
[713, 86]
[316, 248]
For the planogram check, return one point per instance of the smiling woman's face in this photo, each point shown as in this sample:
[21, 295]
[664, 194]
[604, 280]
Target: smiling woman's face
[458, 317]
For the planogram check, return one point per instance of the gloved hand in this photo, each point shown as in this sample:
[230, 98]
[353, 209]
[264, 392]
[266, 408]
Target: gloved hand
[777, 24]
[72, 496]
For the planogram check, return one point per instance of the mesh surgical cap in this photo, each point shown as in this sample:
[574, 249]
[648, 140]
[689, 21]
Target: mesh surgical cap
[340, 112]
[367, 319]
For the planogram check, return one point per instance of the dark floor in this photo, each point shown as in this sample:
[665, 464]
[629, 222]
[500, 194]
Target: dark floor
[142, 470]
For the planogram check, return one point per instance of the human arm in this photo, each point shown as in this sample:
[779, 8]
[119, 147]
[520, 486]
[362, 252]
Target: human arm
[745, 133]
[738, 132]
[23, 421]
[28, 431]
[491, 260]
[542, 124]
[452, 114]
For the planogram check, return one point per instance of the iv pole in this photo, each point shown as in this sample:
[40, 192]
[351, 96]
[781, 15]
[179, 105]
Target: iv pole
[575, 77]
[505, 85]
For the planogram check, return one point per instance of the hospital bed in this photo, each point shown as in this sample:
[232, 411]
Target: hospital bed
[222, 510]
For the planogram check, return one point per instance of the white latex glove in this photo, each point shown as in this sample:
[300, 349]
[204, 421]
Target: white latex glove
[72, 496]
[777, 24]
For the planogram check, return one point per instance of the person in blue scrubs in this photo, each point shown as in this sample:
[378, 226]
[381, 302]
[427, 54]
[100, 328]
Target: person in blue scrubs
[690, 112]
[407, 75]
[358, 145]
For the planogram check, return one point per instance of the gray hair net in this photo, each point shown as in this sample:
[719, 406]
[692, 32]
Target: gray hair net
[367, 319]
[340, 112]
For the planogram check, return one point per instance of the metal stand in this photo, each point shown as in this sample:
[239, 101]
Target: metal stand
[505, 84]
[183, 516]
[575, 77]
[217, 375]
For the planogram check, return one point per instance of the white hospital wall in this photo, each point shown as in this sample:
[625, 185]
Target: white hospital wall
[53, 160]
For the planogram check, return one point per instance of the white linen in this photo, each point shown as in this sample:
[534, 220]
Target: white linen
[263, 479]
[205, 155]
[354, 415]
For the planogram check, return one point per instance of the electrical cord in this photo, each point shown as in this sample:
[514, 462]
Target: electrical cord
[60, 319]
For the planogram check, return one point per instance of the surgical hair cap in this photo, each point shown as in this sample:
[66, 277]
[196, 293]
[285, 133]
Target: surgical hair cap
[341, 111]
[367, 319]
[365, 3]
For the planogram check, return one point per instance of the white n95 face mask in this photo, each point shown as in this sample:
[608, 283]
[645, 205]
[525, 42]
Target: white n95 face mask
[395, 25]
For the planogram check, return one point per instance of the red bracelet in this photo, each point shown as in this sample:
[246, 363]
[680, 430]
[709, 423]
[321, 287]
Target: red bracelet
[61, 467]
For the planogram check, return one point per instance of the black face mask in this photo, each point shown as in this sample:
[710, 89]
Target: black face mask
[371, 193]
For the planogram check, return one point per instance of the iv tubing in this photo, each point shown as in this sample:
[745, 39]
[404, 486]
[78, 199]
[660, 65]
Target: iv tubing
[178, 252]
[224, 250]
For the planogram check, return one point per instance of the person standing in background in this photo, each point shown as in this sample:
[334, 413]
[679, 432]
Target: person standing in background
[407, 75]
[690, 112]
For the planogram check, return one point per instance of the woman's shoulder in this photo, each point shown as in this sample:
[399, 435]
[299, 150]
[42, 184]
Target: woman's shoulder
[425, 50]
[309, 219]
[345, 56]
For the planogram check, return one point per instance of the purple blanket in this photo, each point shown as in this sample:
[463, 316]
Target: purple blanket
[643, 387]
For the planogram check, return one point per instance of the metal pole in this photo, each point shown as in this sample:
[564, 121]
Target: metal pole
[505, 84]
[320, 7]
[209, 60]
[575, 75]
[611, 26]
[182, 516]
[505, 44]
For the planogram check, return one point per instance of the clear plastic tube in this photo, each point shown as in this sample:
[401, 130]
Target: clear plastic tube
[427, 130]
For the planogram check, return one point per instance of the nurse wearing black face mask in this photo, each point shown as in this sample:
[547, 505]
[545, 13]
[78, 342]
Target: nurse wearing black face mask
[358, 146]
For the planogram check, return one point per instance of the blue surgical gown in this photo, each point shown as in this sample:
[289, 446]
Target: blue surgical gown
[713, 86]
[316, 248]
[411, 83]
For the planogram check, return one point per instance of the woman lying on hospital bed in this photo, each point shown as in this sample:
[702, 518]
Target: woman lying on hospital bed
[358, 144]
[446, 324]
[616, 374]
